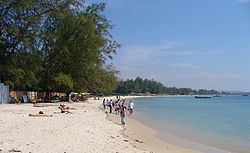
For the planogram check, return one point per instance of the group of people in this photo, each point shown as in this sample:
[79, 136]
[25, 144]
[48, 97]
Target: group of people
[120, 107]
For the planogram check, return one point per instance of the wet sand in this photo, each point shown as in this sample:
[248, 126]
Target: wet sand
[147, 137]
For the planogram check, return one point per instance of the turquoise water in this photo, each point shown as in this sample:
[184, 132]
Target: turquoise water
[219, 122]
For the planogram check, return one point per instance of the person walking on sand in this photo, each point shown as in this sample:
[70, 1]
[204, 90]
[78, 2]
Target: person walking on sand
[122, 114]
[117, 107]
[110, 106]
[104, 104]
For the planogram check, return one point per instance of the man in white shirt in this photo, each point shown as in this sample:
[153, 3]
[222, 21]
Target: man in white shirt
[131, 107]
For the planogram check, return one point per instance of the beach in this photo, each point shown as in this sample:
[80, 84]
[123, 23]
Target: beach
[87, 129]
[148, 138]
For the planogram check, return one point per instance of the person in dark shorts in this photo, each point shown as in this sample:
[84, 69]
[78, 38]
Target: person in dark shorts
[122, 114]
[104, 103]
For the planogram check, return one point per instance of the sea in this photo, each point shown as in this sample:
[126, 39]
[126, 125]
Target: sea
[214, 125]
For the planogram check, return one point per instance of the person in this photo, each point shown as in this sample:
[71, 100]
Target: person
[38, 105]
[131, 107]
[107, 103]
[122, 114]
[63, 109]
[104, 103]
[110, 106]
[40, 114]
[117, 107]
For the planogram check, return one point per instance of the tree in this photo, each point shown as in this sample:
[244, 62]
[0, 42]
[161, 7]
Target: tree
[56, 45]
[20, 57]
[105, 80]
[139, 85]
[63, 83]
[79, 44]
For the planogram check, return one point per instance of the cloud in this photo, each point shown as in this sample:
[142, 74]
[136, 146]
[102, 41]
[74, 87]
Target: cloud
[183, 65]
[244, 1]
[171, 62]
[178, 64]
[166, 55]
[159, 53]
[146, 52]
[213, 76]
[209, 80]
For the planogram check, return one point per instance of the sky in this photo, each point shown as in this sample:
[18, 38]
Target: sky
[183, 43]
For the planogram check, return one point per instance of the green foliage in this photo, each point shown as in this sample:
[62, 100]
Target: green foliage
[105, 80]
[151, 86]
[140, 86]
[22, 71]
[56, 46]
[63, 82]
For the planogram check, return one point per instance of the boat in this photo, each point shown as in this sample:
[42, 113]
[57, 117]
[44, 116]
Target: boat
[203, 97]
[245, 95]
[217, 95]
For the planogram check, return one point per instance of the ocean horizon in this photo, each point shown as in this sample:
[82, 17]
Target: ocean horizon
[214, 125]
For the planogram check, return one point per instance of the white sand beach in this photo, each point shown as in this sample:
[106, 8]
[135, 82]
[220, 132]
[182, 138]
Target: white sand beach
[87, 129]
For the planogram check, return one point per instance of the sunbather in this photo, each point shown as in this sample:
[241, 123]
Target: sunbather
[40, 114]
[39, 105]
[64, 109]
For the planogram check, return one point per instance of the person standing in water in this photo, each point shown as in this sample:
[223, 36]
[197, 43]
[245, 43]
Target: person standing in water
[131, 107]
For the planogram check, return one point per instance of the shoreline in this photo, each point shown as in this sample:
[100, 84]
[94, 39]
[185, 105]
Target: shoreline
[139, 130]
[87, 129]
[179, 141]
[145, 136]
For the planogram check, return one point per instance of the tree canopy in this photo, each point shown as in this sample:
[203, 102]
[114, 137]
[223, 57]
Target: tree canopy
[140, 85]
[56, 46]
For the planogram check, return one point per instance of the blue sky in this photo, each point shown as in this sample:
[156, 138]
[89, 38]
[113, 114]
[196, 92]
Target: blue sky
[183, 43]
